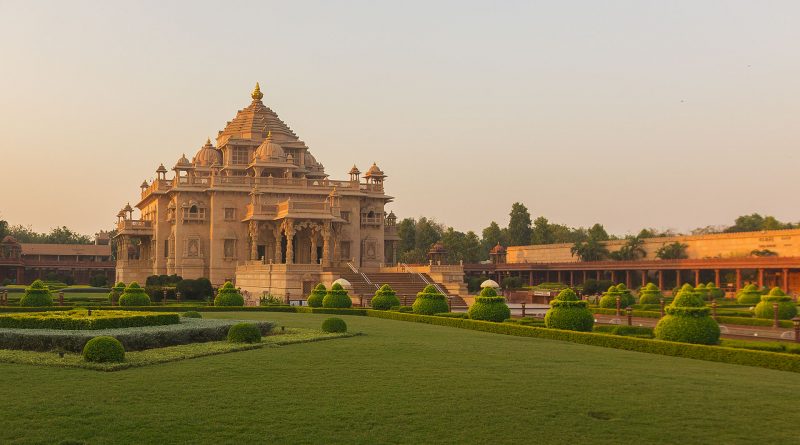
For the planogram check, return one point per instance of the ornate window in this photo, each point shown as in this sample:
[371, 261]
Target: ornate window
[194, 211]
[193, 248]
[230, 214]
[239, 156]
[229, 248]
[345, 215]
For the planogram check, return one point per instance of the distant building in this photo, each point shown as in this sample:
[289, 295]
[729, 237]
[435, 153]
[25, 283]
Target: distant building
[766, 258]
[22, 263]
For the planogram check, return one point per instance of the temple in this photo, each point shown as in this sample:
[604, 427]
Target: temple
[257, 208]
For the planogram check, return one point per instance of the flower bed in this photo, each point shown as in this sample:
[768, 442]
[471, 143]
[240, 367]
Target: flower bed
[86, 320]
[188, 330]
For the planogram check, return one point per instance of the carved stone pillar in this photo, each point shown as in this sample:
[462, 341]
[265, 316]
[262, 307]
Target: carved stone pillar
[277, 255]
[254, 240]
[289, 229]
[326, 245]
[314, 234]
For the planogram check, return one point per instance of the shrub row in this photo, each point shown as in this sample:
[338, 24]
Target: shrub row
[770, 360]
[78, 319]
[133, 339]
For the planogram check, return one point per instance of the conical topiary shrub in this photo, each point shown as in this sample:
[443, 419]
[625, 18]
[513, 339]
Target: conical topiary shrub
[36, 295]
[385, 298]
[749, 294]
[688, 321]
[488, 306]
[626, 298]
[786, 308]
[337, 297]
[316, 296]
[568, 312]
[714, 292]
[650, 294]
[702, 291]
[228, 295]
[116, 291]
[609, 298]
[430, 302]
[134, 295]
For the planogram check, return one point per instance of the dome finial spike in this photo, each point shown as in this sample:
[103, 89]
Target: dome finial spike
[208, 141]
[257, 94]
[269, 134]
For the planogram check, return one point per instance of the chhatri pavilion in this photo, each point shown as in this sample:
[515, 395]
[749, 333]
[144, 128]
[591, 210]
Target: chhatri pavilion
[256, 207]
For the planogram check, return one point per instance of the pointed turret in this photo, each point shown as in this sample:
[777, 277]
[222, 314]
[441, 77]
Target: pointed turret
[257, 94]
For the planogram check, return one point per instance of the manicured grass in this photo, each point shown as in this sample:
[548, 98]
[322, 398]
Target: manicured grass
[404, 383]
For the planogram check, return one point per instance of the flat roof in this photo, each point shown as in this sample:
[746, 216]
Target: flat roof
[65, 249]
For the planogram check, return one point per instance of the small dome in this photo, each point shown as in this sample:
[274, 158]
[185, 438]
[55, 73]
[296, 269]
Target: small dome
[269, 150]
[127, 208]
[438, 247]
[344, 283]
[490, 283]
[183, 162]
[374, 172]
[144, 184]
[354, 170]
[8, 239]
[161, 169]
[311, 161]
[498, 249]
[207, 156]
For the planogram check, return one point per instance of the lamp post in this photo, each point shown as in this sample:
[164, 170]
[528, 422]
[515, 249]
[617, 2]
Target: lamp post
[662, 306]
[629, 313]
[796, 321]
[714, 309]
[61, 298]
[164, 292]
[178, 296]
[618, 311]
[775, 320]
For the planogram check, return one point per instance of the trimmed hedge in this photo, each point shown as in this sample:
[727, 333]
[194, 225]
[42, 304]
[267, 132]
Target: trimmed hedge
[337, 297]
[430, 302]
[688, 320]
[770, 360]
[490, 307]
[317, 295]
[749, 294]
[37, 295]
[609, 298]
[568, 312]
[385, 298]
[116, 291]
[786, 307]
[244, 333]
[80, 319]
[103, 349]
[650, 294]
[191, 314]
[228, 296]
[134, 295]
[334, 325]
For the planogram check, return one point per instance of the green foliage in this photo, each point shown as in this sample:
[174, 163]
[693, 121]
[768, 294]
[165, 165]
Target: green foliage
[650, 294]
[756, 222]
[244, 333]
[385, 298]
[749, 294]
[228, 296]
[632, 250]
[191, 314]
[519, 225]
[430, 302]
[630, 331]
[489, 307]
[37, 295]
[198, 289]
[568, 312]
[714, 292]
[672, 251]
[81, 319]
[453, 315]
[98, 280]
[786, 307]
[589, 250]
[688, 321]
[116, 292]
[103, 349]
[334, 325]
[337, 297]
[511, 283]
[134, 295]
[316, 296]
[609, 298]
[593, 287]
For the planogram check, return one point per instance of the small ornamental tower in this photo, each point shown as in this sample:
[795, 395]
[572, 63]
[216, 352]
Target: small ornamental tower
[375, 175]
[437, 254]
[355, 174]
[161, 172]
[498, 254]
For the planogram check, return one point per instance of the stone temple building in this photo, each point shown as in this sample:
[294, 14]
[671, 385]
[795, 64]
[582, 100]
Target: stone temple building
[256, 207]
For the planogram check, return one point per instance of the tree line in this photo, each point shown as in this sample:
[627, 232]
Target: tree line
[57, 235]
[589, 244]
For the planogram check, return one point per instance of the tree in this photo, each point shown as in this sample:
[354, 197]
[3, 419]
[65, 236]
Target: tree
[589, 250]
[598, 233]
[3, 229]
[632, 250]
[406, 229]
[672, 251]
[756, 222]
[519, 225]
[542, 232]
[492, 236]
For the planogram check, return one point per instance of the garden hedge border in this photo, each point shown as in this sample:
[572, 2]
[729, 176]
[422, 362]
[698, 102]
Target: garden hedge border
[82, 321]
[769, 360]
[723, 319]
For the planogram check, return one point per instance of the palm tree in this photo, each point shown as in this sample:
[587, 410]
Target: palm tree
[632, 250]
[589, 250]
[672, 251]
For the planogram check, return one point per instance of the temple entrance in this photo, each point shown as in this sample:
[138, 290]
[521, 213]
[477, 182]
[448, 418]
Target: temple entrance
[262, 251]
[319, 254]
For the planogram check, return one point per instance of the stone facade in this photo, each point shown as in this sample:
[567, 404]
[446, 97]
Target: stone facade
[258, 209]
[785, 243]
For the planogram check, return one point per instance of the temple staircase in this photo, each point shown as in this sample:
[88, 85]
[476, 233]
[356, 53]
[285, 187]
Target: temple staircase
[406, 284]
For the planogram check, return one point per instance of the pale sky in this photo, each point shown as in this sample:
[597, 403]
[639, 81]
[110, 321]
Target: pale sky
[628, 113]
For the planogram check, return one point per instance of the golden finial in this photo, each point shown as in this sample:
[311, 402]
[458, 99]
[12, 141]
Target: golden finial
[269, 134]
[208, 141]
[257, 94]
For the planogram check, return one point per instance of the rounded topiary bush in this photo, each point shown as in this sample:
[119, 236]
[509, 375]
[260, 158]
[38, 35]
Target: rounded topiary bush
[688, 321]
[227, 295]
[714, 292]
[786, 308]
[489, 307]
[609, 298]
[337, 297]
[568, 312]
[134, 295]
[702, 291]
[191, 314]
[36, 295]
[103, 349]
[316, 296]
[749, 294]
[244, 333]
[626, 297]
[385, 298]
[334, 325]
[430, 302]
[650, 294]
[116, 292]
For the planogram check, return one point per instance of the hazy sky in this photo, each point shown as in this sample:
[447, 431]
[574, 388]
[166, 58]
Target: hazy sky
[629, 113]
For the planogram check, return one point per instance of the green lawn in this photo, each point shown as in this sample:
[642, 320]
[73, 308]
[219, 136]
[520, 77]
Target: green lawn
[405, 383]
